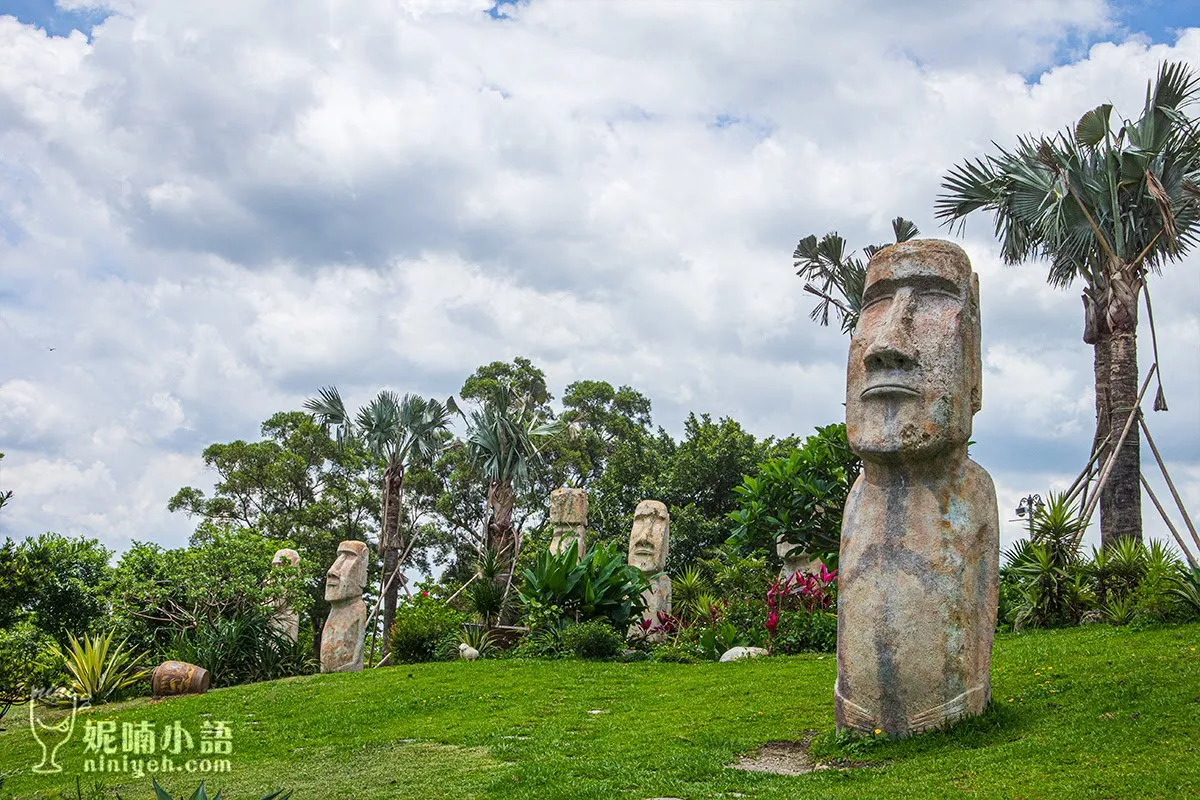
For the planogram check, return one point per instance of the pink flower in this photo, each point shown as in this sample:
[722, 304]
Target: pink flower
[772, 622]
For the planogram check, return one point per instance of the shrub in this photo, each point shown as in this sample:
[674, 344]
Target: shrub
[805, 632]
[243, 649]
[420, 624]
[601, 584]
[545, 642]
[23, 667]
[596, 639]
[98, 669]
[1187, 592]
[675, 654]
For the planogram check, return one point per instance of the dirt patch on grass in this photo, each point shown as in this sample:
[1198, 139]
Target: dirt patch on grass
[788, 758]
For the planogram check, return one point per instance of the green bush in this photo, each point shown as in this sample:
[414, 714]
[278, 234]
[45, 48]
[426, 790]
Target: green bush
[675, 654]
[601, 584]
[596, 639]
[420, 625]
[544, 642]
[23, 666]
[805, 632]
[241, 650]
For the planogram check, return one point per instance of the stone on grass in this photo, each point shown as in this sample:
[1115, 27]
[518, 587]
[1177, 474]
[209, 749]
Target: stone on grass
[739, 653]
[345, 628]
[918, 573]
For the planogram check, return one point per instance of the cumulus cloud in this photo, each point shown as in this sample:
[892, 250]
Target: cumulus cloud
[210, 212]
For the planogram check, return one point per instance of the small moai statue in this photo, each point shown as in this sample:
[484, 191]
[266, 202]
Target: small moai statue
[918, 571]
[284, 619]
[345, 628]
[568, 519]
[649, 542]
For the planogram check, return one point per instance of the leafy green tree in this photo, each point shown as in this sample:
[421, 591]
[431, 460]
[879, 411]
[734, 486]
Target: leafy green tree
[399, 431]
[798, 498]
[1106, 208]
[296, 488]
[837, 278]
[54, 582]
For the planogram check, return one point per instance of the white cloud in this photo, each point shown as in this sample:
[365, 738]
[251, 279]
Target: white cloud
[211, 211]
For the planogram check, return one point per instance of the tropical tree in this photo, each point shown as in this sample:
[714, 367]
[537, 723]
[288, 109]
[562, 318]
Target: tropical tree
[504, 434]
[836, 277]
[398, 431]
[1105, 208]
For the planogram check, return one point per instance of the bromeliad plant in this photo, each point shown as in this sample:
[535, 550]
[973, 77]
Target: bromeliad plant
[201, 794]
[601, 584]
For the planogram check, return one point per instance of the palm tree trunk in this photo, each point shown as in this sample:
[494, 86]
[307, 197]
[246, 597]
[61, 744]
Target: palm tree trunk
[389, 549]
[503, 537]
[1121, 498]
[1102, 370]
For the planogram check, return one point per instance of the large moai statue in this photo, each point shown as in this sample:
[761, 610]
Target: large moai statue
[345, 628]
[649, 541]
[568, 519]
[284, 619]
[920, 537]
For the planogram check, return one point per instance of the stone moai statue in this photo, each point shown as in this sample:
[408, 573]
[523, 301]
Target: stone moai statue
[285, 620]
[649, 541]
[568, 518]
[918, 574]
[345, 628]
[794, 559]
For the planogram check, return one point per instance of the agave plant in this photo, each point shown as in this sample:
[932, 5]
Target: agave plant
[601, 584]
[686, 589]
[201, 794]
[98, 668]
[1187, 590]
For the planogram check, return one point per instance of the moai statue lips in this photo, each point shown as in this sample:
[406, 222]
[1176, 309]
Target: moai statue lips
[919, 558]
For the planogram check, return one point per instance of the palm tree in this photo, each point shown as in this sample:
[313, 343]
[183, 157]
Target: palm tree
[1106, 208]
[840, 277]
[398, 431]
[503, 437]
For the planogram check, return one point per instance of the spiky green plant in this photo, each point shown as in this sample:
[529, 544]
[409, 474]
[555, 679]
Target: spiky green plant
[1187, 590]
[98, 668]
[686, 590]
[201, 794]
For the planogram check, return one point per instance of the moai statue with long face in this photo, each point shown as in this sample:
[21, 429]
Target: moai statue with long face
[285, 620]
[568, 519]
[345, 628]
[918, 574]
[649, 541]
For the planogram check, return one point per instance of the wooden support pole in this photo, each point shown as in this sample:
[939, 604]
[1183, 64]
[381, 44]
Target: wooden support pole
[1179, 539]
[1134, 413]
[1171, 485]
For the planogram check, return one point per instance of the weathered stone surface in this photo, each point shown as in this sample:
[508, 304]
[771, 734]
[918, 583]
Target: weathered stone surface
[739, 653]
[794, 561]
[179, 677]
[649, 543]
[345, 628]
[284, 619]
[568, 519]
[918, 573]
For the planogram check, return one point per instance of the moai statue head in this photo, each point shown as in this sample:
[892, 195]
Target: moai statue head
[348, 575]
[914, 379]
[285, 558]
[650, 537]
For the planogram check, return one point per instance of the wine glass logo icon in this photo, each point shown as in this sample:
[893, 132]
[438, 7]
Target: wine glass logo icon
[51, 736]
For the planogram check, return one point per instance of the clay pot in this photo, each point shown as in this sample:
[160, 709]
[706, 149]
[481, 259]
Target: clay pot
[177, 677]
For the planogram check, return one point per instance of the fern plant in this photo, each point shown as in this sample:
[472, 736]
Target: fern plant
[98, 668]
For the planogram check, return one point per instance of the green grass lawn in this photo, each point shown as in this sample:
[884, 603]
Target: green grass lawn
[1095, 712]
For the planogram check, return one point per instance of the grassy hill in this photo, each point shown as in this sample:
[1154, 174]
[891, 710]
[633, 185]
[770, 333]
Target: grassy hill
[1094, 712]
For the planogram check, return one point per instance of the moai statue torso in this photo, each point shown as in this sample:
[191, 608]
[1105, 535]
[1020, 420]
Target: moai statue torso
[568, 519]
[345, 628]
[649, 542]
[284, 619]
[918, 572]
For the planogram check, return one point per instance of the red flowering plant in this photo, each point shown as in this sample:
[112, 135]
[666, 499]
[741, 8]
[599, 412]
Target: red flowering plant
[803, 592]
